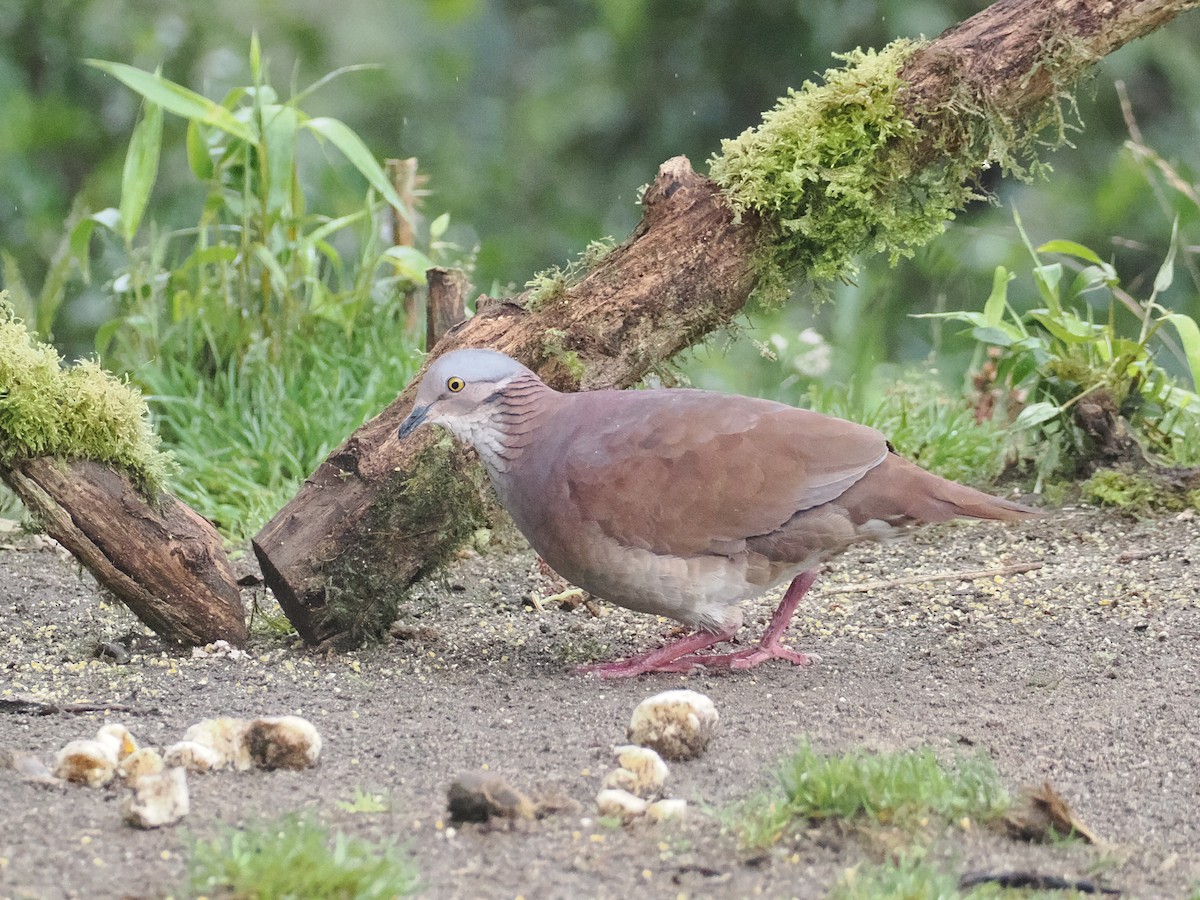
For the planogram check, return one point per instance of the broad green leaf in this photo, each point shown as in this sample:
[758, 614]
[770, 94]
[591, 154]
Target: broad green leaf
[438, 226]
[993, 309]
[141, 169]
[175, 98]
[198, 157]
[1023, 366]
[997, 335]
[1166, 272]
[1189, 337]
[409, 262]
[280, 124]
[1091, 277]
[352, 147]
[1047, 279]
[1035, 414]
[1070, 248]
[1069, 329]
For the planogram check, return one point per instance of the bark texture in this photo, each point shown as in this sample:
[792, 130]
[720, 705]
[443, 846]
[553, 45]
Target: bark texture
[448, 289]
[371, 519]
[165, 562]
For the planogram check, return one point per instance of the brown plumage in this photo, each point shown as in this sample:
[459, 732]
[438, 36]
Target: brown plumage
[683, 503]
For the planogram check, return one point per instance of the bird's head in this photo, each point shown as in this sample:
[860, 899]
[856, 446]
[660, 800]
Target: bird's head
[458, 386]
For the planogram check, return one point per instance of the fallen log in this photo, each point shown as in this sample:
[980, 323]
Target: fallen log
[161, 559]
[77, 448]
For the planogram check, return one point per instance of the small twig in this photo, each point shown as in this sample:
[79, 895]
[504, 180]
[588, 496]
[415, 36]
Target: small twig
[973, 575]
[32, 707]
[1036, 881]
[1131, 555]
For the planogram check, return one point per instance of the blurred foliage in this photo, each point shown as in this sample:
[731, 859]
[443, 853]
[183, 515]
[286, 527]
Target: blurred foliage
[538, 122]
[267, 330]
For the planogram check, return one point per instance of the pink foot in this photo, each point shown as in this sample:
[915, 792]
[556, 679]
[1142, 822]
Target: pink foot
[659, 659]
[683, 655]
[740, 659]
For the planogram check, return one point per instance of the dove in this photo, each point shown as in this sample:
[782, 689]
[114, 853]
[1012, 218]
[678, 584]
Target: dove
[683, 503]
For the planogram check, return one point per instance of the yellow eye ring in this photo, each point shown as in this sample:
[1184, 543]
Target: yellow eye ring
[454, 384]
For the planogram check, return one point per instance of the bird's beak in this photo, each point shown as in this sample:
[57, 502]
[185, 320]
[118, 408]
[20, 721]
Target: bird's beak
[415, 418]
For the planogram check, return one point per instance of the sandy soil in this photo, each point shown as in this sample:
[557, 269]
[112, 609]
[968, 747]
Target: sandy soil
[1083, 672]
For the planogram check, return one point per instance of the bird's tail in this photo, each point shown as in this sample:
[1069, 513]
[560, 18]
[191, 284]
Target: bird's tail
[898, 491]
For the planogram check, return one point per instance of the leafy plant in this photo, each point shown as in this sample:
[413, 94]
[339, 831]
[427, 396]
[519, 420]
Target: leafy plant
[1058, 356]
[266, 332]
[295, 857]
[257, 266]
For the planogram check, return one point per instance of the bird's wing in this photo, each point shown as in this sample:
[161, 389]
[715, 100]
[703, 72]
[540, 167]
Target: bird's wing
[690, 472]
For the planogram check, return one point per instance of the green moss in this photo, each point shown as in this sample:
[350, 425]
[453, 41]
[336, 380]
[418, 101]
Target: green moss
[550, 285]
[431, 514]
[1138, 492]
[841, 168]
[80, 412]
[554, 347]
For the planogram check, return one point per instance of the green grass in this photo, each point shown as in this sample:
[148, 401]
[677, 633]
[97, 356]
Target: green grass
[247, 437]
[900, 789]
[925, 425]
[296, 858]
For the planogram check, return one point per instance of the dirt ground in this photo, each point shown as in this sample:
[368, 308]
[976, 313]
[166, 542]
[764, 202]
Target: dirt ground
[1083, 673]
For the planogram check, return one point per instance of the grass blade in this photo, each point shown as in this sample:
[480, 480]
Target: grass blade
[350, 144]
[1189, 337]
[175, 98]
[141, 169]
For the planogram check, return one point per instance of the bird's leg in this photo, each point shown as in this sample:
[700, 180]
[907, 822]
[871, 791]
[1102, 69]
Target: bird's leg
[660, 659]
[767, 648]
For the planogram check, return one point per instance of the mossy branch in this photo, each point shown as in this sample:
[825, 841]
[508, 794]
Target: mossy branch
[878, 156]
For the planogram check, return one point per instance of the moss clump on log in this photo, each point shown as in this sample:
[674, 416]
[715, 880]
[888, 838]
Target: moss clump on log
[438, 508]
[844, 167]
[76, 412]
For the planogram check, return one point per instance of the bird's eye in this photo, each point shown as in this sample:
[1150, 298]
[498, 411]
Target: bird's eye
[455, 384]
